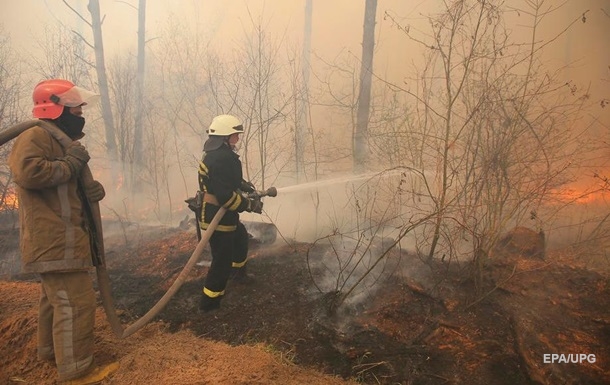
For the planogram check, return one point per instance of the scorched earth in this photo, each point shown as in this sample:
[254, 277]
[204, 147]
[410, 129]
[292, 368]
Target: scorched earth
[421, 325]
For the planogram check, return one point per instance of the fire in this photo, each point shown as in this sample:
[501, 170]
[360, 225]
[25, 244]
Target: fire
[9, 201]
[582, 197]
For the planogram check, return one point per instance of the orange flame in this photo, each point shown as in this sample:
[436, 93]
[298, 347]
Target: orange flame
[9, 201]
[582, 197]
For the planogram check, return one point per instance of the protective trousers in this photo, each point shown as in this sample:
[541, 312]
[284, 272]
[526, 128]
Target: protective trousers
[229, 249]
[66, 318]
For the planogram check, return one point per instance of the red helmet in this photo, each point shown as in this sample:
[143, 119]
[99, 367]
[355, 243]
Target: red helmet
[50, 97]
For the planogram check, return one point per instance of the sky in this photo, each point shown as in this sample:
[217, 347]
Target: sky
[337, 26]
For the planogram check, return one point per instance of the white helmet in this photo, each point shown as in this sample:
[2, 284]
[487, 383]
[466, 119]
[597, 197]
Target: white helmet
[225, 125]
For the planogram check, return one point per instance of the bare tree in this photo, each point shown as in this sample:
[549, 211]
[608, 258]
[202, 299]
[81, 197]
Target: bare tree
[122, 81]
[137, 135]
[185, 64]
[100, 67]
[135, 161]
[11, 90]
[364, 94]
[258, 95]
[63, 56]
[303, 102]
[335, 90]
[495, 131]
[102, 78]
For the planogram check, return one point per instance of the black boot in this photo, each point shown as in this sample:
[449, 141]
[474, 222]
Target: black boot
[207, 304]
[241, 275]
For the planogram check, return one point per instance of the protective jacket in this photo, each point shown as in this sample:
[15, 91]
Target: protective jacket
[220, 175]
[53, 231]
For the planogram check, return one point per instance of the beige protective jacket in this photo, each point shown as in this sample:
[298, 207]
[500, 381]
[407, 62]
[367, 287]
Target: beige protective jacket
[52, 224]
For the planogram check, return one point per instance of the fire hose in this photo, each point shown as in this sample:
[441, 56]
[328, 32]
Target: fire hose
[103, 278]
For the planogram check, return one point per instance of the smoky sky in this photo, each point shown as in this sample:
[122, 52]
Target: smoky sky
[337, 27]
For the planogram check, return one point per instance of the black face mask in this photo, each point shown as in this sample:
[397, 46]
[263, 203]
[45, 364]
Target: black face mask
[71, 124]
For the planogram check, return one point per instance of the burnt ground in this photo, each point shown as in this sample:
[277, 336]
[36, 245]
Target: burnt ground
[423, 325]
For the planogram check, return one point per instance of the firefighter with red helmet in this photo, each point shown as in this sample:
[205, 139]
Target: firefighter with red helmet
[220, 178]
[55, 242]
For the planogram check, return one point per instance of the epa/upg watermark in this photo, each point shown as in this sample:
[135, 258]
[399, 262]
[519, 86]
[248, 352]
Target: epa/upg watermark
[555, 358]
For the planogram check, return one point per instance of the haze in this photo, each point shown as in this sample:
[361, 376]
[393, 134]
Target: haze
[337, 26]
[580, 54]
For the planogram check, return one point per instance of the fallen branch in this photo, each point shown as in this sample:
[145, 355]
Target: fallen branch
[436, 376]
[367, 367]
[528, 363]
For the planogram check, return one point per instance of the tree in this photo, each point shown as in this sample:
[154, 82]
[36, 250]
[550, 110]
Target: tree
[11, 90]
[63, 56]
[100, 69]
[497, 137]
[364, 95]
[259, 97]
[102, 78]
[134, 146]
[301, 123]
[137, 135]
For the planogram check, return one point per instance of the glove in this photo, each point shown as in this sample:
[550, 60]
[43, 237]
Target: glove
[255, 206]
[247, 187]
[95, 191]
[76, 157]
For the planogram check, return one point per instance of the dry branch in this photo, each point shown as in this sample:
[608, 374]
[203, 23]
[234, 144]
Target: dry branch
[528, 362]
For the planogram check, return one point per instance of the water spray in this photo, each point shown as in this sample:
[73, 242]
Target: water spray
[338, 180]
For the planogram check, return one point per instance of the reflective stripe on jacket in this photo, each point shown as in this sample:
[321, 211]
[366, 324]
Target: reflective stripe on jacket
[220, 174]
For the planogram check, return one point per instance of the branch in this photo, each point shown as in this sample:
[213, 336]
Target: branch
[77, 13]
[126, 3]
[83, 39]
[87, 62]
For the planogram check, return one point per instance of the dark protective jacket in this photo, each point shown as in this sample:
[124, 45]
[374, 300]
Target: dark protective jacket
[220, 175]
[52, 225]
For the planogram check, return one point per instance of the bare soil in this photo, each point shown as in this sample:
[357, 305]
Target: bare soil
[424, 325]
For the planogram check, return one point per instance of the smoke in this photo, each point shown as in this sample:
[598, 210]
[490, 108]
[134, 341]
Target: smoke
[343, 264]
[584, 227]
[372, 203]
[351, 222]
[10, 264]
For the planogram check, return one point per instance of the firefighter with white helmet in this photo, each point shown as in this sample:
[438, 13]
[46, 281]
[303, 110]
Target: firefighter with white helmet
[220, 178]
[54, 242]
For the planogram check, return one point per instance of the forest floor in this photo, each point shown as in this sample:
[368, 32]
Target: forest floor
[422, 325]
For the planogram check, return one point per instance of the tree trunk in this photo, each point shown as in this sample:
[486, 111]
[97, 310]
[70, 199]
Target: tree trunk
[364, 97]
[138, 156]
[137, 135]
[100, 66]
[301, 130]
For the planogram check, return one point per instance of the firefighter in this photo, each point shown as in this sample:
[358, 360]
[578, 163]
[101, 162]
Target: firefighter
[54, 239]
[220, 178]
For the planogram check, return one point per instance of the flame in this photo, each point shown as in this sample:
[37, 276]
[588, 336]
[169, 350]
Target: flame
[9, 201]
[581, 196]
